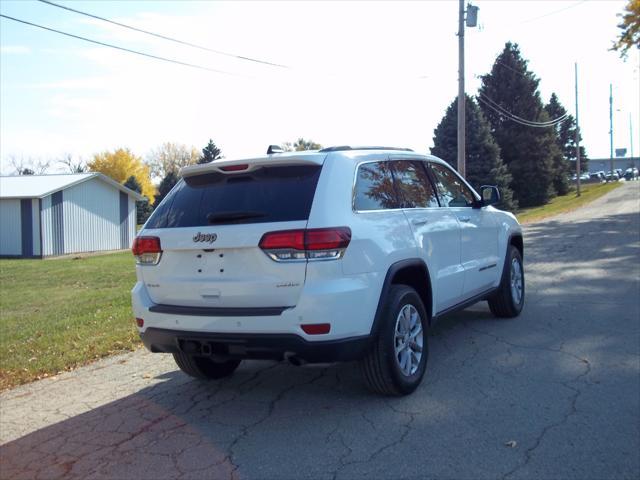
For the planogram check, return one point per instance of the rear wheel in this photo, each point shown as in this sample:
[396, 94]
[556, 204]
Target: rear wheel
[398, 359]
[204, 368]
[508, 301]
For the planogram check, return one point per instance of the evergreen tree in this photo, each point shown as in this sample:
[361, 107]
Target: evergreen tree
[133, 184]
[483, 163]
[167, 183]
[143, 207]
[527, 151]
[566, 135]
[210, 153]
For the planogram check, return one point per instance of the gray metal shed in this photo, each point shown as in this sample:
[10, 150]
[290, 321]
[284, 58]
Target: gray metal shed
[47, 215]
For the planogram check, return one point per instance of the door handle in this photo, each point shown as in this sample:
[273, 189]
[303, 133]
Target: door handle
[417, 223]
[465, 219]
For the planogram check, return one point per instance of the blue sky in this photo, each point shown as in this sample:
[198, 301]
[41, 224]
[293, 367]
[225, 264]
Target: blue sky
[361, 73]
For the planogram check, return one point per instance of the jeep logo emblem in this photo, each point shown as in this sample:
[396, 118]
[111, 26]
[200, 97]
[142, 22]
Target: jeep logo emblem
[205, 237]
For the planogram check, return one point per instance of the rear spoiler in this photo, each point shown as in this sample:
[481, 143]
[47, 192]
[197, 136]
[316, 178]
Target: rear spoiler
[236, 166]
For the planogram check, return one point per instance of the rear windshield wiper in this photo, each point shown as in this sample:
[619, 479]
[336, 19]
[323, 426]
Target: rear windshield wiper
[222, 217]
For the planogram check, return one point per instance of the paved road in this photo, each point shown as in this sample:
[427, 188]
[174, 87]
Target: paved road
[562, 382]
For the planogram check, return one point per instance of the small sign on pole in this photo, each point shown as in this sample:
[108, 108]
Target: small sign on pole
[621, 152]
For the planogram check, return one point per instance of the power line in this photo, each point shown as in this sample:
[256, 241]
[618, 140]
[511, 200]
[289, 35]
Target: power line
[516, 120]
[504, 112]
[149, 55]
[529, 123]
[554, 12]
[504, 65]
[549, 122]
[505, 115]
[164, 37]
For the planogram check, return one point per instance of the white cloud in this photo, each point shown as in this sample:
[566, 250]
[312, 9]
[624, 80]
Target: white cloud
[15, 50]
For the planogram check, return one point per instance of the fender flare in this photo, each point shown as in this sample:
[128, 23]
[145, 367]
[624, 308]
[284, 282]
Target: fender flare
[519, 235]
[511, 236]
[386, 285]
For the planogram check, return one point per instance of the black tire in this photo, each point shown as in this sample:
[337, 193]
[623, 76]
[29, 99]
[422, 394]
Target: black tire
[204, 368]
[380, 367]
[502, 302]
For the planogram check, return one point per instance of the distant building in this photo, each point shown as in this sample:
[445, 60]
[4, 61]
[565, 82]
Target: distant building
[604, 164]
[47, 215]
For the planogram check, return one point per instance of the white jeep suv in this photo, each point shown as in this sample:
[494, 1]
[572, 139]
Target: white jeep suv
[333, 255]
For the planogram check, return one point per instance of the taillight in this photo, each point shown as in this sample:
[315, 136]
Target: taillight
[147, 250]
[310, 244]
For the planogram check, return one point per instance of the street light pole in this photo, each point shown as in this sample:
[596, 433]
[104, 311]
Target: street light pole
[461, 97]
[630, 136]
[577, 136]
[611, 126]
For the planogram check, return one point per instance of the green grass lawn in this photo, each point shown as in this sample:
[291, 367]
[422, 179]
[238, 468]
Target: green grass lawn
[566, 203]
[57, 314]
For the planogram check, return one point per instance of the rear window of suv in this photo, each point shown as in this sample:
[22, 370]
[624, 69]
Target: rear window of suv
[269, 194]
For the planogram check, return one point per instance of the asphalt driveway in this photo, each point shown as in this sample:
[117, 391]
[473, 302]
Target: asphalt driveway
[554, 393]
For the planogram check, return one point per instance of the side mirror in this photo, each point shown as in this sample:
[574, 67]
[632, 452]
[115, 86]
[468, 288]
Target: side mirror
[490, 195]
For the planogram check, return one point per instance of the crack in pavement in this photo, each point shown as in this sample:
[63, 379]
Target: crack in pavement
[528, 454]
[270, 409]
[407, 429]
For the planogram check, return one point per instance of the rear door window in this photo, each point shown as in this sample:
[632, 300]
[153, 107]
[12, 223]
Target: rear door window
[375, 189]
[269, 194]
[414, 185]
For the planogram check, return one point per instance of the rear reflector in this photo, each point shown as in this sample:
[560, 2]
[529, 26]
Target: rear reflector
[311, 244]
[147, 250]
[140, 322]
[235, 168]
[316, 328]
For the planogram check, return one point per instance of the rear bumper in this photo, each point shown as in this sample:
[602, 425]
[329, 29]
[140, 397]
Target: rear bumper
[348, 304]
[254, 346]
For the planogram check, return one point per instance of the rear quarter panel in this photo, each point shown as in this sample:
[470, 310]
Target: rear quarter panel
[378, 238]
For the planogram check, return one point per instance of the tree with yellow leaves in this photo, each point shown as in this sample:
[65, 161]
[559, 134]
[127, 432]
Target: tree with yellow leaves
[630, 26]
[122, 164]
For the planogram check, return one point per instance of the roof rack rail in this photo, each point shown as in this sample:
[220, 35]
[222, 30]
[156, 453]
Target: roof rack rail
[344, 148]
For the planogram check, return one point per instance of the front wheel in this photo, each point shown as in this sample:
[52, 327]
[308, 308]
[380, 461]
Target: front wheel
[508, 300]
[397, 361]
[204, 368]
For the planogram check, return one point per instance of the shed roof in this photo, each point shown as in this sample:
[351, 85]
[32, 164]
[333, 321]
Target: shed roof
[39, 186]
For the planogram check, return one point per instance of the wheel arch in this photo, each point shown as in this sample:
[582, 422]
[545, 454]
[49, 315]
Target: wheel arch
[412, 272]
[517, 241]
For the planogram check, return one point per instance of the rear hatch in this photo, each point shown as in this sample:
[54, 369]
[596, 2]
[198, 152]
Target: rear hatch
[210, 226]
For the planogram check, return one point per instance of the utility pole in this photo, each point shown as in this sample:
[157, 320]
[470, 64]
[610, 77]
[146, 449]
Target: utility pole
[461, 97]
[577, 136]
[611, 126]
[471, 21]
